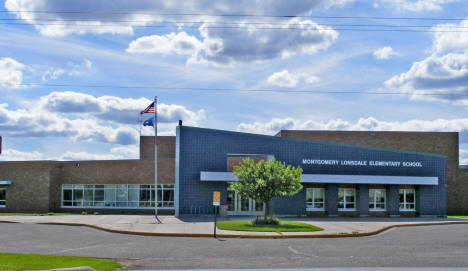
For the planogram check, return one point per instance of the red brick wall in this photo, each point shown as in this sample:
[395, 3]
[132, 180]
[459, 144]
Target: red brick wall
[166, 147]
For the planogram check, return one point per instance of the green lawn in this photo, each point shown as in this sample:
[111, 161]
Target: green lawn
[16, 262]
[40, 214]
[458, 216]
[246, 225]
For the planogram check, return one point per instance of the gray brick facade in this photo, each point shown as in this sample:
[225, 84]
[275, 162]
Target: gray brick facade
[206, 150]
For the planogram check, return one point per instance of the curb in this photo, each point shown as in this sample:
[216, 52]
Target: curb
[170, 234]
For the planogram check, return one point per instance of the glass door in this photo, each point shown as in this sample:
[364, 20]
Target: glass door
[236, 205]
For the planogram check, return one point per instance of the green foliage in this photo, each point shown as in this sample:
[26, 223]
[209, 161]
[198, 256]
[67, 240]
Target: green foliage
[283, 226]
[84, 213]
[263, 221]
[266, 180]
[96, 213]
[13, 262]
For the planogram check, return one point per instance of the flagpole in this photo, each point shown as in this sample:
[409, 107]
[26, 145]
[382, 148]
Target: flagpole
[140, 123]
[156, 160]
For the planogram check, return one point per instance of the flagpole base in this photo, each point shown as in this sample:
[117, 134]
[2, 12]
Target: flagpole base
[158, 221]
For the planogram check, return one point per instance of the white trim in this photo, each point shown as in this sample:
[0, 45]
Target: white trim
[369, 179]
[313, 200]
[309, 209]
[177, 170]
[374, 209]
[212, 176]
[237, 202]
[405, 203]
[344, 209]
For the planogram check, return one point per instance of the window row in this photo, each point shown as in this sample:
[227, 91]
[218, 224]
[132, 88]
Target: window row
[2, 197]
[315, 199]
[117, 196]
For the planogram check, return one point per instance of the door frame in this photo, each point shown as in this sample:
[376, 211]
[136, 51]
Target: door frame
[237, 206]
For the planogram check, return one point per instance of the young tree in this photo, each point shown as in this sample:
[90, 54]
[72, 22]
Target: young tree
[266, 180]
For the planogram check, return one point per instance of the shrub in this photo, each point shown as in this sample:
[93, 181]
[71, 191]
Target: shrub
[50, 213]
[84, 213]
[96, 213]
[263, 221]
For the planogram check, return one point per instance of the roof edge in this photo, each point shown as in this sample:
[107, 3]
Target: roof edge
[316, 141]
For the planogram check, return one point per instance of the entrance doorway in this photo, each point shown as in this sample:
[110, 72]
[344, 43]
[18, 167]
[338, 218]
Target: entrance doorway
[236, 205]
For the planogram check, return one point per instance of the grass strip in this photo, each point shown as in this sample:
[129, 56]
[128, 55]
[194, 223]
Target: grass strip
[283, 226]
[458, 216]
[17, 262]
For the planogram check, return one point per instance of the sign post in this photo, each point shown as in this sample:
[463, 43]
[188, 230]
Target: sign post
[216, 202]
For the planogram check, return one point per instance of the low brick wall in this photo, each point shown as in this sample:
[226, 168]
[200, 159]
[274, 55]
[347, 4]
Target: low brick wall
[29, 188]
[37, 185]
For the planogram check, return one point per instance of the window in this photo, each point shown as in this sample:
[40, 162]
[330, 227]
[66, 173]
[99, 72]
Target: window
[2, 197]
[376, 199]
[346, 199]
[407, 200]
[123, 196]
[315, 199]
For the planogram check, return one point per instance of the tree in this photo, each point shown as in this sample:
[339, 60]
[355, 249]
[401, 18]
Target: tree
[266, 180]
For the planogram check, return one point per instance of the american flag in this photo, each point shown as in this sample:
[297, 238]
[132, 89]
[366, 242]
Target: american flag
[149, 109]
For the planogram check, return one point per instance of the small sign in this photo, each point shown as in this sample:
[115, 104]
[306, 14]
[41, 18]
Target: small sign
[216, 198]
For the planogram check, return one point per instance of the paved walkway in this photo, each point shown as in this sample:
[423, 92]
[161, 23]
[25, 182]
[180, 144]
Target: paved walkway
[203, 226]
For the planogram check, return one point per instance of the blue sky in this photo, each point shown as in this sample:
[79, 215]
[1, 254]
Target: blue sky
[86, 65]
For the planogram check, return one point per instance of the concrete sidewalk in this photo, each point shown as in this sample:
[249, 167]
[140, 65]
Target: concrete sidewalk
[204, 226]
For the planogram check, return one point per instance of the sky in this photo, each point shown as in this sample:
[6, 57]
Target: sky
[74, 75]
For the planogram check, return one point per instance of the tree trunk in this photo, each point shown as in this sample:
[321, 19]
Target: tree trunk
[267, 210]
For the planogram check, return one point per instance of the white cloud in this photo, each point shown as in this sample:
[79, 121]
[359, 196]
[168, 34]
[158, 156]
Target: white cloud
[223, 46]
[439, 75]
[52, 74]
[385, 53]
[40, 123]
[463, 157]
[115, 109]
[450, 37]
[417, 5]
[116, 153]
[215, 42]
[130, 151]
[107, 15]
[83, 117]
[443, 75]
[286, 79]
[11, 73]
[180, 43]
[73, 69]
[363, 124]
[80, 156]
[226, 46]
[15, 155]
[282, 79]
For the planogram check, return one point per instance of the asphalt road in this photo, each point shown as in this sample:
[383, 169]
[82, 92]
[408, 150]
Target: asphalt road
[428, 246]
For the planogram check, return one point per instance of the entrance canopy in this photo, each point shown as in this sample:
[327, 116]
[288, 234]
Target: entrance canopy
[211, 176]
